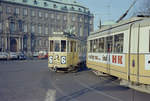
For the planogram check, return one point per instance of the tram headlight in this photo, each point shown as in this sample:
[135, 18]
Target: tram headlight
[57, 57]
[63, 60]
[51, 59]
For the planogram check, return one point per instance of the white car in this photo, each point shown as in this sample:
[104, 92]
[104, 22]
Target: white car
[35, 54]
[13, 55]
[3, 56]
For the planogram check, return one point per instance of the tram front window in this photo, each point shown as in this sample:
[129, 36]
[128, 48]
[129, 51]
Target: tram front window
[51, 46]
[57, 46]
[63, 46]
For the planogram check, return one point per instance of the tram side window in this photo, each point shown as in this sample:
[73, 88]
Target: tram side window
[63, 46]
[91, 45]
[51, 46]
[109, 44]
[57, 46]
[71, 46]
[68, 46]
[149, 40]
[118, 43]
[101, 45]
[75, 47]
[95, 46]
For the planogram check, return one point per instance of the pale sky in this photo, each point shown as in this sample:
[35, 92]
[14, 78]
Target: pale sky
[108, 10]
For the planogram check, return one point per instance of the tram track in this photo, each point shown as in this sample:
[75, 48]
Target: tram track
[95, 88]
[65, 97]
[84, 89]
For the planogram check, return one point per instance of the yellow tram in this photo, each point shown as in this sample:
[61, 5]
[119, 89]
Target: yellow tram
[122, 50]
[65, 52]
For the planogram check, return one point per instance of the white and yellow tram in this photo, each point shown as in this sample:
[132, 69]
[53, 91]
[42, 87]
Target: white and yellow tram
[65, 52]
[122, 50]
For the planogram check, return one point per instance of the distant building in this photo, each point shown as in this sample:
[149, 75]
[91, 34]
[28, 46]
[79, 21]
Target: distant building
[26, 24]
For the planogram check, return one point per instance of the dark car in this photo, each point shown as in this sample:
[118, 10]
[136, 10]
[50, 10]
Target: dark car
[21, 56]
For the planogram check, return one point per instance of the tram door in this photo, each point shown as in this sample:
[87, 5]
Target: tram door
[109, 48]
[73, 50]
[133, 58]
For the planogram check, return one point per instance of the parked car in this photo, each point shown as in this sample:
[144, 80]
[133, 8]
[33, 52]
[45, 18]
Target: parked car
[43, 55]
[35, 54]
[13, 56]
[3, 56]
[21, 56]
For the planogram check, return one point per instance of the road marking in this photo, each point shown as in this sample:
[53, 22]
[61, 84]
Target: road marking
[50, 95]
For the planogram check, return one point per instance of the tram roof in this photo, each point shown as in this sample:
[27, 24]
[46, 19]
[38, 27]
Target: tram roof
[122, 25]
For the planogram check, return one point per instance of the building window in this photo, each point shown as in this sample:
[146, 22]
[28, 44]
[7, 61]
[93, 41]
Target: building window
[55, 6]
[86, 20]
[58, 17]
[35, 2]
[0, 44]
[17, 11]
[1, 9]
[46, 30]
[52, 29]
[0, 26]
[46, 15]
[80, 19]
[52, 16]
[40, 14]
[40, 29]
[73, 18]
[32, 28]
[64, 8]
[45, 4]
[46, 43]
[72, 8]
[65, 18]
[80, 9]
[91, 21]
[40, 42]
[32, 13]
[24, 0]
[25, 12]
[25, 28]
[20, 22]
[8, 10]
[12, 26]
[80, 30]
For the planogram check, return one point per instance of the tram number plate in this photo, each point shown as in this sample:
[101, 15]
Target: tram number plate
[51, 59]
[63, 60]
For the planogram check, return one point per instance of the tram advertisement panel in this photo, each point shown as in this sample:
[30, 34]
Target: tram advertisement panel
[114, 59]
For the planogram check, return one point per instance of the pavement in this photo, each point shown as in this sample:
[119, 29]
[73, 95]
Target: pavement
[31, 80]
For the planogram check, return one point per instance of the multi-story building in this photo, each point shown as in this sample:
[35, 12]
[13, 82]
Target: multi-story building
[26, 24]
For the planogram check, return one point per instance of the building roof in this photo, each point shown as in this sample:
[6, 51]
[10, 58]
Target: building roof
[63, 5]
